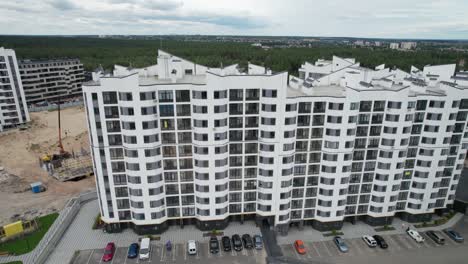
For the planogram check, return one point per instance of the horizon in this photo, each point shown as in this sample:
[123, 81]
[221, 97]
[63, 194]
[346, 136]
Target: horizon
[398, 19]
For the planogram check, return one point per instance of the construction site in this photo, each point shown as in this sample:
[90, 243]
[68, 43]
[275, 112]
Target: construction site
[44, 164]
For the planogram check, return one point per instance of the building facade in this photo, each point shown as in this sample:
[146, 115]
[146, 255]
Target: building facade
[13, 108]
[179, 143]
[51, 80]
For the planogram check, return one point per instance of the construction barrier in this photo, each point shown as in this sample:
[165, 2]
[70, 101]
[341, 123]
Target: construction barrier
[13, 229]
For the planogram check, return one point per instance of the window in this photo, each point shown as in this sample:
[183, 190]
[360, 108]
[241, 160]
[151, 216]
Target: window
[182, 96]
[125, 96]
[147, 96]
[220, 94]
[165, 96]
[199, 94]
[269, 93]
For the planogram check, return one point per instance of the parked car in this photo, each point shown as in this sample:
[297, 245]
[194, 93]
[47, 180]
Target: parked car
[300, 248]
[109, 252]
[370, 241]
[214, 245]
[133, 250]
[436, 236]
[237, 242]
[192, 247]
[380, 241]
[226, 243]
[258, 241]
[247, 239]
[145, 248]
[454, 235]
[415, 235]
[340, 243]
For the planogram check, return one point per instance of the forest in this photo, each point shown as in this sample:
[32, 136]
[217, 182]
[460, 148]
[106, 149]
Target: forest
[93, 51]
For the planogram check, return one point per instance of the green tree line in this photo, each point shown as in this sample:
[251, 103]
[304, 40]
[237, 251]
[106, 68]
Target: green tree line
[139, 53]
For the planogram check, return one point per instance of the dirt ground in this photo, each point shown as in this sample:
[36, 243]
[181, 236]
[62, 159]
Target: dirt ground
[19, 155]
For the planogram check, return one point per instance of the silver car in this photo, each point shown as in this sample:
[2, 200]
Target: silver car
[340, 243]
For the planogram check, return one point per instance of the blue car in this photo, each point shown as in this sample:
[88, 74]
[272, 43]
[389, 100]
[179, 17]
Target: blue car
[454, 235]
[340, 244]
[133, 250]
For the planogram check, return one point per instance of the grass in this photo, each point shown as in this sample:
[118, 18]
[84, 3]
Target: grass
[15, 262]
[29, 242]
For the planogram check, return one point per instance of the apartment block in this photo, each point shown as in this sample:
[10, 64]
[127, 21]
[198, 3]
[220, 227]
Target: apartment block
[181, 143]
[51, 80]
[13, 109]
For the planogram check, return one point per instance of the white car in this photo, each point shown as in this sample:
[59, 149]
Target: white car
[415, 235]
[370, 241]
[192, 247]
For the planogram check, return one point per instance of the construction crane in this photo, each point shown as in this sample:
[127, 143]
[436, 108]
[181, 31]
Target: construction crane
[62, 153]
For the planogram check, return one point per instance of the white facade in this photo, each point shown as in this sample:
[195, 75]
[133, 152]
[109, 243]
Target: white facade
[179, 140]
[408, 45]
[394, 45]
[13, 109]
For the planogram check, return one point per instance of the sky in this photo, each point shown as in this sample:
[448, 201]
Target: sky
[425, 19]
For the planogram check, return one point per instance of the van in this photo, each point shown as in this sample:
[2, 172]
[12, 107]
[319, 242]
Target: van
[145, 249]
[436, 237]
[192, 247]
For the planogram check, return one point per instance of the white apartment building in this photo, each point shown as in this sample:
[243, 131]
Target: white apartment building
[408, 45]
[394, 45]
[13, 109]
[51, 80]
[179, 143]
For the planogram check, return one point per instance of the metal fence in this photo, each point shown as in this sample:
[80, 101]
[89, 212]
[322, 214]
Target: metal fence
[54, 106]
[61, 224]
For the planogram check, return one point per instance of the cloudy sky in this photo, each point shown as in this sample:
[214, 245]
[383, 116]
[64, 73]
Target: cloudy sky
[447, 19]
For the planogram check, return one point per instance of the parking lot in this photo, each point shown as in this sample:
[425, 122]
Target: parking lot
[397, 244]
[178, 254]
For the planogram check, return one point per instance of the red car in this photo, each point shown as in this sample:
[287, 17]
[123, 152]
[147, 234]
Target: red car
[300, 248]
[109, 252]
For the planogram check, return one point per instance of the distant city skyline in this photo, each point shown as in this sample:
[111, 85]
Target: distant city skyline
[416, 19]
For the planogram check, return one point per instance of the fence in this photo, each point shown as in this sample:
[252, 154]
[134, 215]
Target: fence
[54, 106]
[56, 231]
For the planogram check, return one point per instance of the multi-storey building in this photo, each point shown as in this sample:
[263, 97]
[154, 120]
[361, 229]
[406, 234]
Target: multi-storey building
[178, 143]
[51, 80]
[13, 109]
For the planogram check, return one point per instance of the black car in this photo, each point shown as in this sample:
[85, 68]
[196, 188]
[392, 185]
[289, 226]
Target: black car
[380, 241]
[247, 239]
[226, 243]
[237, 242]
[214, 245]
[436, 237]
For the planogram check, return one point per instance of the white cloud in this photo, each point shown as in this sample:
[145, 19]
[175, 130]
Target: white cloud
[359, 18]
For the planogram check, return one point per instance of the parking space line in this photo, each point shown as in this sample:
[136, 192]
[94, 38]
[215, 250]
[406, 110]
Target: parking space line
[115, 254]
[324, 244]
[316, 249]
[125, 261]
[197, 255]
[295, 252]
[393, 244]
[327, 246]
[208, 254]
[429, 242]
[413, 242]
[355, 243]
[402, 239]
[185, 251]
[255, 252]
[89, 258]
[163, 254]
[174, 251]
[448, 240]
